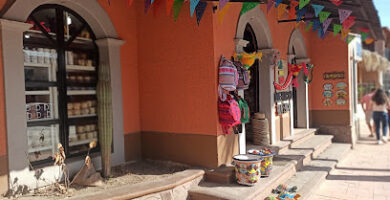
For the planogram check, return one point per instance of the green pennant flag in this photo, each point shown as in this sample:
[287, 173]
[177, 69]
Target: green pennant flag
[323, 16]
[364, 35]
[177, 7]
[247, 6]
[303, 3]
[308, 26]
[350, 38]
[336, 29]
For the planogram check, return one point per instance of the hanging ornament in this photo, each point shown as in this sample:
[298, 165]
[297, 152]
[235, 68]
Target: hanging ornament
[199, 10]
[168, 6]
[222, 4]
[307, 68]
[317, 9]
[336, 29]
[247, 60]
[247, 6]
[344, 14]
[176, 8]
[337, 2]
[326, 24]
[323, 16]
[193, 5]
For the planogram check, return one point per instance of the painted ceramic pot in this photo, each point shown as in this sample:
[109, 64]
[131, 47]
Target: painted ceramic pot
[247, 169]
[266, 165]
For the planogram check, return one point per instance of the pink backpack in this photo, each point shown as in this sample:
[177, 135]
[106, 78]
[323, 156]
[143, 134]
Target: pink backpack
[229, 114]
[228, 75]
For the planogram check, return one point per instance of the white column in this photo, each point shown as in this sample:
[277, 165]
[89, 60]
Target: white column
[109, 54]
[267, 90]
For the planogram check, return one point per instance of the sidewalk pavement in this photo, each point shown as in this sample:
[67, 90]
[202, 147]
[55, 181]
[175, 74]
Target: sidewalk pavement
[363, 174]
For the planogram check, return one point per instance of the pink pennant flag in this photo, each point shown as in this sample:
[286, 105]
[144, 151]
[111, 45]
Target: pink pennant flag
[222, 3]
[269, 5]
[344, 14]
[326, 24]
[349, 22]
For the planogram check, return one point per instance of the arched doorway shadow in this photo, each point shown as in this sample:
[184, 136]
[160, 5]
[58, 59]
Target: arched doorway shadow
[253, 34]
[296, 55]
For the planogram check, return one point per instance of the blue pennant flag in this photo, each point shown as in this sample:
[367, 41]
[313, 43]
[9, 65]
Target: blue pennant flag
[277, 2]
[316, 25]
[301, 13]
[193, 5]
[317, 9]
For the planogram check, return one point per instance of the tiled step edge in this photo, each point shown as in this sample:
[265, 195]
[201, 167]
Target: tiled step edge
[312, 175]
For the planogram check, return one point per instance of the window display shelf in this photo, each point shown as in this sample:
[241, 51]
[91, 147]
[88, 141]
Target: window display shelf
[37, 65]
[80, 68]
[39, 33]
[81, 142]
[81, 92]
[82, 116]
[38, 92]
[37, 149]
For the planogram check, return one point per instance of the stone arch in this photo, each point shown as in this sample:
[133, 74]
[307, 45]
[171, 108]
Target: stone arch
[90, 10]
[297, 43]
[259, 23]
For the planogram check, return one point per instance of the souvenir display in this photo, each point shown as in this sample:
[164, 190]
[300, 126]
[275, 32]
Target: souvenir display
[247, 169]
[267, 159]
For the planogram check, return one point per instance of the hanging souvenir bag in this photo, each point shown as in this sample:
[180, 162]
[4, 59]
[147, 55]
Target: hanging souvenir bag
[228, 75]
[229, 114]
[243, 76]
[244, 108]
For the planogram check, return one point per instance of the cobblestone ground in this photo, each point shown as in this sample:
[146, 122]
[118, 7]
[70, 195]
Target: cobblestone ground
[363, 174]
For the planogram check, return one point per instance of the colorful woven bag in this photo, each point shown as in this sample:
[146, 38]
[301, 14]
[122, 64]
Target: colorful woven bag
[243, 76]
[228, 75]
[244, 108]
[229, 114]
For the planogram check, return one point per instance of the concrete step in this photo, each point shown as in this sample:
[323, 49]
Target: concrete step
[283, 145]
[305, 150]
[312, 175]
[224, 174]
[282, 171]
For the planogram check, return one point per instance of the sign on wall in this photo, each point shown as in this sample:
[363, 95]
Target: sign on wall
[334, 75]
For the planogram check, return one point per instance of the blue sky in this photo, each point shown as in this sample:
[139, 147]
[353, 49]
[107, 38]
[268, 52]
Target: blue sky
[383, 7]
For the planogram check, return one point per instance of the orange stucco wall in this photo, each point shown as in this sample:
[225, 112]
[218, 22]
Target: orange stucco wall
[124, 20]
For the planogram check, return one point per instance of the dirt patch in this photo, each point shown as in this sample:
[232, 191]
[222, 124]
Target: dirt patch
[126, 174]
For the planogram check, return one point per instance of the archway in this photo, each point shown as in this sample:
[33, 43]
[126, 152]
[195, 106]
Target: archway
[12, 29]
[296, 55]
[255, 22]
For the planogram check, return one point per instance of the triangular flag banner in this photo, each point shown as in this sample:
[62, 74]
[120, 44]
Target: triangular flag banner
[222, 3]
[303, 3]
[168, 6]
[193, 5]
[147, 5]
[156, 6]
[308, 26]
[350, 38]
[344, 33]
[281, 10]
[323, 16]
[363, 35]
[292, 11]
[300, 14]
[130, 2]
[320, 32]
[151, 1]
[269, 5]
[344, 14]
[317, 9]
[277, 2]
[349, 22]
[316, 25]
[176, 8]
[326, 24]
[309, 15]
[247, 6]
[222, 13]
[336, 29]
[199, 10]
[369, 40]
[337, 2]
[364, 30]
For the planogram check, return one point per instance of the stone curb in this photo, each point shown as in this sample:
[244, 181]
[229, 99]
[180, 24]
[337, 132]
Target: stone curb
[145, 188]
